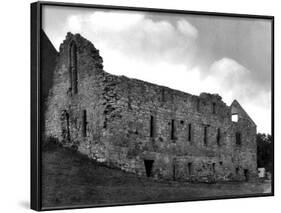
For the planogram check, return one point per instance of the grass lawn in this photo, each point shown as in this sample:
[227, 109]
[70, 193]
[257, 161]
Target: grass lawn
[70, 178]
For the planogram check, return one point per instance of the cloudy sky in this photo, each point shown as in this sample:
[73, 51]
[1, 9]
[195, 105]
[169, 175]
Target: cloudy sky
[192, 53]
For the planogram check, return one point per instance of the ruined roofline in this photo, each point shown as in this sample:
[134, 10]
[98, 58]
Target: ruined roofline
[236, 104]
[77, 36]
[183, 93]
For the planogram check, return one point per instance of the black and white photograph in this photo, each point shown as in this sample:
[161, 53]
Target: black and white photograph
[142, 106]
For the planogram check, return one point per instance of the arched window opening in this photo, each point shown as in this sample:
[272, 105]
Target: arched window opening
[73, 68]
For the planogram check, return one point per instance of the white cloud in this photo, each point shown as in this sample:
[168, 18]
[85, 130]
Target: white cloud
[137, 35]
[114, 21]
[175, 76]
[187, 29]
[75, 23]
[232, 81]
[163, 52]
[234, 78]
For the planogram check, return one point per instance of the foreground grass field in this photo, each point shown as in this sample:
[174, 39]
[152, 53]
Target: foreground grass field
[70, 178]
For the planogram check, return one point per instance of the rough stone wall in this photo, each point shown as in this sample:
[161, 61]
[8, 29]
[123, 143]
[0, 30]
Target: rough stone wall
[64, 113]
[145, 128]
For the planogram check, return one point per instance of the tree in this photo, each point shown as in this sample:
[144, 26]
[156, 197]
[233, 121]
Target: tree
[265, 151]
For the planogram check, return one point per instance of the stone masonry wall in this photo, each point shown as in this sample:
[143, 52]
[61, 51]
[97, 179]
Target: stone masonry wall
[145, 128]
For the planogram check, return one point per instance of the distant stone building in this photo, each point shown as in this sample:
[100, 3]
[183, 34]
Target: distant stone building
[143, 128]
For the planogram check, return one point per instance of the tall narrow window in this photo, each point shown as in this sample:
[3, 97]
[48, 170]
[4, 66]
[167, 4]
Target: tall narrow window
[189, 132]
[173, 130]
[214, 108]
[73, 68]
[84, 123]
[219, 136]
[152, 126]
[67, 126]
[205, 135]
[238, 138]
[189, 166]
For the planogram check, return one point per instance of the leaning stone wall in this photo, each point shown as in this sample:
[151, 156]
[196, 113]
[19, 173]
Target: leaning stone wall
[118, 123]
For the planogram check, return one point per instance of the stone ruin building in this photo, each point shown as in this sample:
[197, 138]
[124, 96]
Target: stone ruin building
[143, 128]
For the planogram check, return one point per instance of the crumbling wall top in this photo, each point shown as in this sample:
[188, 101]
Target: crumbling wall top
[83, 45]
[205, 95]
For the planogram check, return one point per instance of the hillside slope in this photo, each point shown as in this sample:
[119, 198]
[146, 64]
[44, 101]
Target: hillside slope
[70, 178]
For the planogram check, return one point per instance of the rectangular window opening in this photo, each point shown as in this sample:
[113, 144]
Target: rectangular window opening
[84, 123]
[189, 166]
[218, 136]
[238, 138]
[173, 130]
[189, 132]
[205, 135]
[214, 108]
[152, 126]
[234, 117]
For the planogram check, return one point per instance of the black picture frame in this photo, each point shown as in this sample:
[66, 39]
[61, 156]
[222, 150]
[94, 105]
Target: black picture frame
[36, 105]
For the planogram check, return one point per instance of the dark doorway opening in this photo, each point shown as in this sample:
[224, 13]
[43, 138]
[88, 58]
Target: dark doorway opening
[148, 167]
[246, 174]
